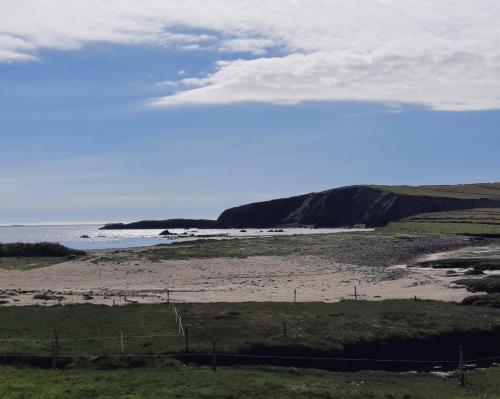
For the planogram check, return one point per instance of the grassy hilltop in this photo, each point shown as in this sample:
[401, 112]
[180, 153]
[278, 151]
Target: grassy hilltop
[464, 191]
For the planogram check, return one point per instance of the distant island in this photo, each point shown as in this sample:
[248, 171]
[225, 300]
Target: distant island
[162, 224]
[361, 205]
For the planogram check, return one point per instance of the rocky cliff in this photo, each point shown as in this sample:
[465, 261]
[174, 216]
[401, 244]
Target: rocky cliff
[371, 206]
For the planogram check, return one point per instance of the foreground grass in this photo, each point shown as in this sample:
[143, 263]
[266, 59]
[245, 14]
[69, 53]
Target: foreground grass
[239, 382]
[387, 329]
[87, 329]
[393, 329]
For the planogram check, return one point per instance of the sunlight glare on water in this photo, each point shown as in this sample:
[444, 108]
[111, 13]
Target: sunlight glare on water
[73, 235]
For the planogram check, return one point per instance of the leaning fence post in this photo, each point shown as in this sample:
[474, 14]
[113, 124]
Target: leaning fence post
[214, 357]
[54, 349]
[461, 365]
[54, 355]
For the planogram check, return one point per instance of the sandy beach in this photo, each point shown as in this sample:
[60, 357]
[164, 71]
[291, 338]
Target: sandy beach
[256, 278]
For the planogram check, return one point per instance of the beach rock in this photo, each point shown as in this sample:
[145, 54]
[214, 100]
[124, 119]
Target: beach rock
[47, 297]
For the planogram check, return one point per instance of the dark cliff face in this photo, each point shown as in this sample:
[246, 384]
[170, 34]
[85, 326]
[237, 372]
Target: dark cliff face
[346, 206]
[261, 214]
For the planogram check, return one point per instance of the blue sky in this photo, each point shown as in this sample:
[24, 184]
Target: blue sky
[80, 140]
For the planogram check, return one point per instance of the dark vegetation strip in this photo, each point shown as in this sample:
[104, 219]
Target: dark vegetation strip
[42, 249]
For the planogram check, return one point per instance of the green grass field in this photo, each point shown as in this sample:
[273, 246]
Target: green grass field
[387, 329]
[472, 221]
[240, 383]
[317, 328]
[88, 329]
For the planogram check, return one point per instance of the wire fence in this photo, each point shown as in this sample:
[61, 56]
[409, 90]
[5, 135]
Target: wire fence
[185, 353]
[119, 347]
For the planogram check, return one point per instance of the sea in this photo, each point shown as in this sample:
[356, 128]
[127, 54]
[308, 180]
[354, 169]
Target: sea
[88, 237]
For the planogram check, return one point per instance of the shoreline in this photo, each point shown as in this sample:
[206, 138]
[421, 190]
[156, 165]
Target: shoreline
[323, 268]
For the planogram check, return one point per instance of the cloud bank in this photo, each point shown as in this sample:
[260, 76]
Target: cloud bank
[442, 54]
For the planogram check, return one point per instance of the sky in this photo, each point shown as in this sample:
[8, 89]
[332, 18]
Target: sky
[126, 110]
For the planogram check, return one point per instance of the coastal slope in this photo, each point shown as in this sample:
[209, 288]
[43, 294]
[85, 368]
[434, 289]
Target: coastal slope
[372, 206]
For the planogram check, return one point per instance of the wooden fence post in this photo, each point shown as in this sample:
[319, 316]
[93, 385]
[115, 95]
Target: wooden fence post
[56, 339]
[122, 343]
[186, 336]
[461, 365]
[214, 357]
[168, 297]
[355, 293]
[54, 355]
[295, 296]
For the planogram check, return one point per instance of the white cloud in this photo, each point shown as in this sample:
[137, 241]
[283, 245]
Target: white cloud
[254, 46]
[440, 53]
